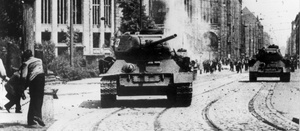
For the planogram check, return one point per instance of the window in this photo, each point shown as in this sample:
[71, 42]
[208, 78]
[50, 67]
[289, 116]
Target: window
[62, 50]
[107, 12]
[107, 40]
[78, 38]
[96, 40]
[62, 37]
[46, 36]
[96, 12]
[62, 11]
[46, 12]
[77, 11]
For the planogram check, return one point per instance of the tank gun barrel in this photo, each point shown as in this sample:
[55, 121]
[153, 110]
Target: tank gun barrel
[163, 40]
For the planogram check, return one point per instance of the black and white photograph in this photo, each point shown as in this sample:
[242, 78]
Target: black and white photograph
[149, 65]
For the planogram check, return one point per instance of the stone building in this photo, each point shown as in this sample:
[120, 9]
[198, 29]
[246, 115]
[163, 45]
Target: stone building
[231, 29]
[253, 33]
[94, 24]
[293, 45]
[223, 18]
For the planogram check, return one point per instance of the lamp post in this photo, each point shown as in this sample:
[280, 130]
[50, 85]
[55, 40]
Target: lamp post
[71, 33]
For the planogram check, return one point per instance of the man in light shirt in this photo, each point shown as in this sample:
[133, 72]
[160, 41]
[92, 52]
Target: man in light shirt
[32, 76]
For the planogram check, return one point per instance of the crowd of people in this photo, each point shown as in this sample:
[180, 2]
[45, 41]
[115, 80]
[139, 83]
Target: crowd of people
[30, 74]
[238, 65]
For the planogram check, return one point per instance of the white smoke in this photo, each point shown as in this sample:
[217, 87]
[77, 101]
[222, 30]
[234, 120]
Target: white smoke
[190, 33]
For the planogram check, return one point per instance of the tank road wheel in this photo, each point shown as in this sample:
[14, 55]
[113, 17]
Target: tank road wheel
[184, 95]
[108, 92]
[285, 77]
[252, 76]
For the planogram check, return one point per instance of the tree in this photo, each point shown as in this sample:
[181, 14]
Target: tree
[11, 18]
[47, 48]
[132, 18]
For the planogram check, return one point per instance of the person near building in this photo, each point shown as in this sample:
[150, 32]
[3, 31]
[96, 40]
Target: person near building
[246, 63]
[231, 64]
[219, 66]
[238, 67]
[3, 77]
[14, 93]
[32, 75]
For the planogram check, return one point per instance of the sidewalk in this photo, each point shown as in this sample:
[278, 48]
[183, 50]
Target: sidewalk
[18, 121]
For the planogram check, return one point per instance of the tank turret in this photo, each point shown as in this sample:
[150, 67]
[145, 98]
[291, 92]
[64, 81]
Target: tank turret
[271, 53]
[142, 47]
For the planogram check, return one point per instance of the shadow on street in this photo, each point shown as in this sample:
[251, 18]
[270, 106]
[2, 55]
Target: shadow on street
[129, 103]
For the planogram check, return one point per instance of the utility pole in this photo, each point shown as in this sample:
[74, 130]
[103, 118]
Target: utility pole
[71, 33]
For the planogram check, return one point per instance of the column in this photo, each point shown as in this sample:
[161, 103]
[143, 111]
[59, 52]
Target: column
[87, 29]
[54, 25]
[38, 24]
[102, 26]
[112, 17]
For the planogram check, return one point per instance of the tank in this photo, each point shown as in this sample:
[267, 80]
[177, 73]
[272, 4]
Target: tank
[145, 65]
[269, 63]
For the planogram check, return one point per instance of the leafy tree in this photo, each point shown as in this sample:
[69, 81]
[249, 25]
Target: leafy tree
[11, 18]
[48, 50]
[132, 17]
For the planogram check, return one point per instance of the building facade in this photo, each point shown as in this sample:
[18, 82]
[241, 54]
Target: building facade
[93, 24]
[253, 33]
[293, 44]
[231, 29]
[223, 18]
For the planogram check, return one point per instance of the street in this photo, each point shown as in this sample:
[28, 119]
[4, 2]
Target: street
[221, 101]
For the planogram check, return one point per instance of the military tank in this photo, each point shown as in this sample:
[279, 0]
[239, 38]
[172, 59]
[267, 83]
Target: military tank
[269, 63]
[145, 65]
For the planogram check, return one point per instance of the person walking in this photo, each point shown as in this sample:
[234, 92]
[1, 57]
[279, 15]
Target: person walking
[32, 75]
[238, 67]
[2, 90]
[231, 65]
[14, 93]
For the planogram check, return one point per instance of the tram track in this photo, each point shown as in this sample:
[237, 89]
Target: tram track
[265, 111]
[96, 125]
[205, 115]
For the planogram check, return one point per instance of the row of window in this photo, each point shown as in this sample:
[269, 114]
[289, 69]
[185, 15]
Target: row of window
[62, 38]
[77, 10]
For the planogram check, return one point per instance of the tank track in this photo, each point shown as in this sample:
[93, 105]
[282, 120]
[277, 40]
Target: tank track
[108, 92]
[182, 95]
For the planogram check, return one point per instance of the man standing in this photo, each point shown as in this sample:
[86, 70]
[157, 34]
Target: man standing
[33, 76]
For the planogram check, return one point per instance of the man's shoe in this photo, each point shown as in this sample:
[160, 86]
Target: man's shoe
[7, 108]
[18, 111]
[39, 120]
[31, 124]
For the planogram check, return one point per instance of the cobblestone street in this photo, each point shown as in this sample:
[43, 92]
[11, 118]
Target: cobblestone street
[221, 101]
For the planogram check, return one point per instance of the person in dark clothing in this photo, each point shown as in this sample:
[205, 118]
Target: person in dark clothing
[219, 66]
[231, 65]
[14, 93]
[238, 67]
[33, 76]
[246, 64]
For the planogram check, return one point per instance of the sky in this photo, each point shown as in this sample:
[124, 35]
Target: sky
[276, 16]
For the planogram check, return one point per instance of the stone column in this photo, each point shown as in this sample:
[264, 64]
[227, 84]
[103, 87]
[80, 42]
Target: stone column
[54, 24]
[102, 26]
[38, 24]
[87, 32]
